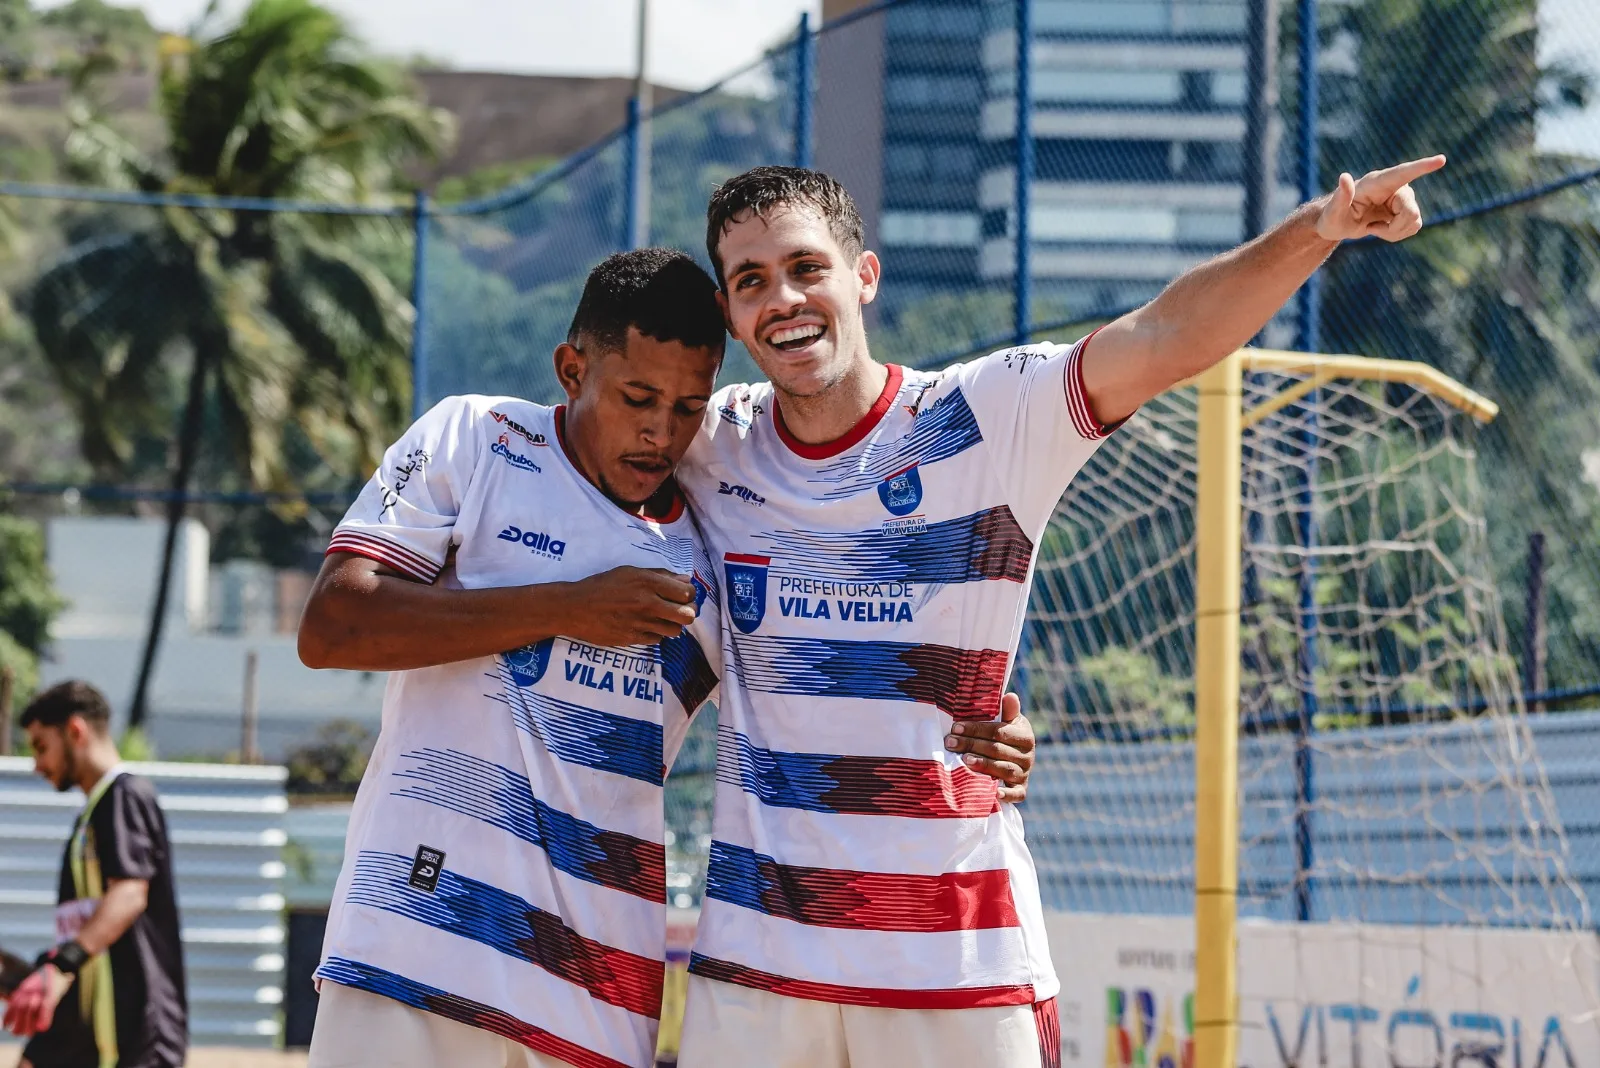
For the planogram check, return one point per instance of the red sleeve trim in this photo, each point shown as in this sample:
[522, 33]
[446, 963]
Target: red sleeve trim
[828, 449]
[385, 552]
[1083, 419]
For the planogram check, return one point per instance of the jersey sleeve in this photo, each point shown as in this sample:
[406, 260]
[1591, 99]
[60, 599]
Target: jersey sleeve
[405, 516]
[130, 831]
[1034, 413]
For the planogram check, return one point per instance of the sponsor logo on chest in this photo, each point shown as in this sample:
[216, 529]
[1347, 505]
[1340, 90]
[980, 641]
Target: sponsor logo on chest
[744, 493]
[502, 448]
[537, 542]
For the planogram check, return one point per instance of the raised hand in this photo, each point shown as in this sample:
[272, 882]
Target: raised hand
[1379, 204]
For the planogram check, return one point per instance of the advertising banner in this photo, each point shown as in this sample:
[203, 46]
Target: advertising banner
[1332, 995]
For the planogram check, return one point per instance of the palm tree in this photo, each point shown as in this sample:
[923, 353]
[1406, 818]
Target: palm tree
[278, 321]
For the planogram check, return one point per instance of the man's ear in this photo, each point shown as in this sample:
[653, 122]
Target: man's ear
[571, 364]
[869, 270]
[727, 317]
[76, 731]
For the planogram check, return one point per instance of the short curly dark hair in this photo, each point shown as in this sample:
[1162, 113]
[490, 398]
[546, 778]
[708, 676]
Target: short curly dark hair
[759, 190]
[67, 699]
[661, 291]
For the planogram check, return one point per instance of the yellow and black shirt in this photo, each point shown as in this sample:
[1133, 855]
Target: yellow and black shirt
[127, 1008]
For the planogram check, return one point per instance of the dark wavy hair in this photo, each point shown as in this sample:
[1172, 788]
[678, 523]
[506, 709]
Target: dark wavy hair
[759, 190]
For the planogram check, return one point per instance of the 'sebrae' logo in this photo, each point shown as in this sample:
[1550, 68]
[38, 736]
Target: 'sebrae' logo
[541, 543]
[744, 493]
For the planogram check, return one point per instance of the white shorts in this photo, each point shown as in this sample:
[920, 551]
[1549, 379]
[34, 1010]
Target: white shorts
[729, 1026]
[356, 1029]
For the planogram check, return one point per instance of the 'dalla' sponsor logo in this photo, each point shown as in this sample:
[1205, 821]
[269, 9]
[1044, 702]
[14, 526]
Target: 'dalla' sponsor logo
[744, 493]
[502, 448]
[747, 586]
[901, 492]
[541, 543]
[527, 665]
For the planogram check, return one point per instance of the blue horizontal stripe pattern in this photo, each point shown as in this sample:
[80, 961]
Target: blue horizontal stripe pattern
[972, 548]
[586, 736]
[944, 429]
[503, 798]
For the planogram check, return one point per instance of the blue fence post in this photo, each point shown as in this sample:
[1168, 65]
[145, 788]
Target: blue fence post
[1022, 314]
[1306, 518]
[805, 75]
[630, 177]
[1310, 184]
[1022, 309]
[419, 304]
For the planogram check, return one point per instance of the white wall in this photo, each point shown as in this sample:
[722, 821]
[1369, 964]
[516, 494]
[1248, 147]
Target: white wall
[107, 567]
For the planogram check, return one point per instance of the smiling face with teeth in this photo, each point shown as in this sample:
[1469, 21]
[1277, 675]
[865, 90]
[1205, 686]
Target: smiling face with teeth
[794, 296]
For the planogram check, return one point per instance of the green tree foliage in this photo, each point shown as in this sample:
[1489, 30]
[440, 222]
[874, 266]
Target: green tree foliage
[28, 601]
[269, 319]
[1508, 303]
[334, 762]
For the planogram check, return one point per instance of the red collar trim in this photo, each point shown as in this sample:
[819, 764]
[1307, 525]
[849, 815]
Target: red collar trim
[854, 435]
[674, 510]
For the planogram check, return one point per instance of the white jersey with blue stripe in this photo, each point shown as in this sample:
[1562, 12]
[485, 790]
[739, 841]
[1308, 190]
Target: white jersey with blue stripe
[873, 592]
[504, 864]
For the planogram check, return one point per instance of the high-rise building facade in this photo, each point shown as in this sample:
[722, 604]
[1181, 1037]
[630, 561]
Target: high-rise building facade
[1139, 124]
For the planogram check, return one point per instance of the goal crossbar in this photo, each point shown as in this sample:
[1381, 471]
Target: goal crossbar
[1218, 549]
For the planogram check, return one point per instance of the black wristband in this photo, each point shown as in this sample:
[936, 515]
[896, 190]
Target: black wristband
[67, 958]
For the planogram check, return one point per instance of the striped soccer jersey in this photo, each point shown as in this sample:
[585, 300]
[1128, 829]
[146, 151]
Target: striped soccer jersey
[873, 591]
[504, 864]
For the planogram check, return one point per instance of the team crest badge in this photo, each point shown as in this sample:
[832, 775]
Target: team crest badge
[901, 493]
[702, 589]
[527, 665]
[747, 589]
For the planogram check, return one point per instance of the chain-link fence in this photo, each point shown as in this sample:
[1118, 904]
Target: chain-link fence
[1148, 135]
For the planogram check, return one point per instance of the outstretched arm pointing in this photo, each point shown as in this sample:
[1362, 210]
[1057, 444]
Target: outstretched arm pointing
[1211, 310]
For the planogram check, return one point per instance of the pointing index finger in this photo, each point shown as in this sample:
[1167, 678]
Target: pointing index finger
[1386, 183]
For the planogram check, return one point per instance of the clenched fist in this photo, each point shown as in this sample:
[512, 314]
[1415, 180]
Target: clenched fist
[633, 606]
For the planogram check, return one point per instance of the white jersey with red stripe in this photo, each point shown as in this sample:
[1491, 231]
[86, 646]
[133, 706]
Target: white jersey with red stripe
[874, 591]
[504, 864]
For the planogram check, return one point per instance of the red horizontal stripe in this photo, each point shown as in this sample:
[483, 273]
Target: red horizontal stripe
[885, 901]
[612, 975]
[927, 789]
[744, 558]
[487, 1018]
[404, 551]
[968, 997]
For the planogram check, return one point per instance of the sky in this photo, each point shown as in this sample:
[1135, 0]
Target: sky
[696, 42]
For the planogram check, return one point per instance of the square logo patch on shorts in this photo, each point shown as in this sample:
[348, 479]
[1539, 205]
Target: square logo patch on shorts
[425, 869]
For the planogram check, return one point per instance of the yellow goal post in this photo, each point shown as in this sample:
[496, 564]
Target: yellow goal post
[1222, 421]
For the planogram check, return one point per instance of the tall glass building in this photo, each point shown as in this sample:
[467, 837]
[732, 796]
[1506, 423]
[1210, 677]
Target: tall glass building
[1139, 123]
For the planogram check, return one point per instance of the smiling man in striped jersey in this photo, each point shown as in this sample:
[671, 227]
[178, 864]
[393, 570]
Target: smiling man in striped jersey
[869, 901]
